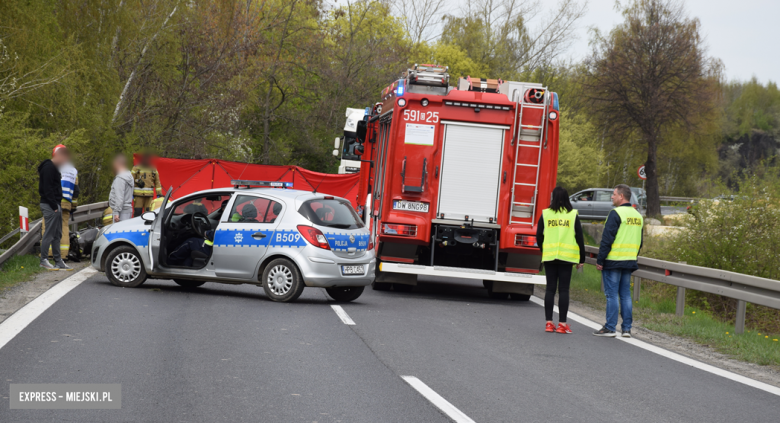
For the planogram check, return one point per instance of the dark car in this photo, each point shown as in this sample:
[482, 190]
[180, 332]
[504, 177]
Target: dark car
[596, 203]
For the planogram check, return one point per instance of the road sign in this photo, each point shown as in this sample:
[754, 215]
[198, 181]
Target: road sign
[641, 172]
[24, 220]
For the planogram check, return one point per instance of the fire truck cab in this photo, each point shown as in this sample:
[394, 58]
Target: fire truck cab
[346, 145]
[459, 177]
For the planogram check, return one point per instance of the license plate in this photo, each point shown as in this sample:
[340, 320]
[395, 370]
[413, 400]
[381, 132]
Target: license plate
[410, 206]
[352, 270]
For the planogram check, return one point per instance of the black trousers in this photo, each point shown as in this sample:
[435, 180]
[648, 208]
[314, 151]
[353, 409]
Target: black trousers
[558, 273]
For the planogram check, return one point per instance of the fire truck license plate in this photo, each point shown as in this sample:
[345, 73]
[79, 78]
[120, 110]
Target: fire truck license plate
[352, 270]
[410, 206]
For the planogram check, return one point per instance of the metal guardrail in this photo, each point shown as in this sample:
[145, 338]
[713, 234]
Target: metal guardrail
[744, 288]
[25, 244]
[680, 199]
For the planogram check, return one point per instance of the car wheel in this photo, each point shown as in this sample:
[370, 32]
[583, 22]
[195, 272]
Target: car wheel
[345, 294]
[125, 268]
[520, 297]
[494, 295]
[381, 286]
[187, 283]
[282, 281]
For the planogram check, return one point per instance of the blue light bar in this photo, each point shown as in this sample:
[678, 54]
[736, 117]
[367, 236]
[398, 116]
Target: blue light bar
[237, 183]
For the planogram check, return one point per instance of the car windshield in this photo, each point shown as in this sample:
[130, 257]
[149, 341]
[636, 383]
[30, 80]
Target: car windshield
[331, 213]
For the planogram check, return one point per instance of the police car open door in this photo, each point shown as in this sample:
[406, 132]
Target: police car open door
[156, 231]
[244, 235]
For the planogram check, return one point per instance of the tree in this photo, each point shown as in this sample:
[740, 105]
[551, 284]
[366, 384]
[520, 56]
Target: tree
[647, 77]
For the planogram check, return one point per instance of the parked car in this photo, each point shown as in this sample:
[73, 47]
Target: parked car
[641, 196]
[596, 203]
[280, 239]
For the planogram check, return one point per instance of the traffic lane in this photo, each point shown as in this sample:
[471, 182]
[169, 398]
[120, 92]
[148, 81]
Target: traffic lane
[493, 360]
[217, 353]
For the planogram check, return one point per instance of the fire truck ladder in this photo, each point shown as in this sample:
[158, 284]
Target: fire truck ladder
[523, 207]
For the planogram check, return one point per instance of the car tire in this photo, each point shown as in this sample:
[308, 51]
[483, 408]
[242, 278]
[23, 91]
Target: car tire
[520, 297]
[494, 295]
[188, 283]
[345, 294]
[125, 268]
[281, 281]
[381, 286]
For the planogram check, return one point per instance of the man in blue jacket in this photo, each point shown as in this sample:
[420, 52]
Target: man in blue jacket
[620, 245]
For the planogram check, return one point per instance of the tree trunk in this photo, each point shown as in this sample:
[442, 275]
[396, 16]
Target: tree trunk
[653, 195]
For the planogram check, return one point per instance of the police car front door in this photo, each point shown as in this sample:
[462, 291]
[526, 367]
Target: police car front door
[242, 237]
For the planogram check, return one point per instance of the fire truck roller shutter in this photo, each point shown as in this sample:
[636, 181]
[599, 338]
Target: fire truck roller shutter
[471, 169]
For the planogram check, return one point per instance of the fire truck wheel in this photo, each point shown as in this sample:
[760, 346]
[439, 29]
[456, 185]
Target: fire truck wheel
[381, 286]
[520, 297]
[400, 287]
[345, 294]
[494, 295]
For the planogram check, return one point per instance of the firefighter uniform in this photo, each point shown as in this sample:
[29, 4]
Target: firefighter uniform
[147, 184]
[156, 203]
[108, 216]
[69, 202]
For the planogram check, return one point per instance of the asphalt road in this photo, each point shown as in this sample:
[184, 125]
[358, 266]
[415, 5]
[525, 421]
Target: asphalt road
[226, 354]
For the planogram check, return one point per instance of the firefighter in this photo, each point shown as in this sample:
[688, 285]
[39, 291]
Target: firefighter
[559, 235]
[108, 216]
[147, 184]
[70, 195]
[617, 259]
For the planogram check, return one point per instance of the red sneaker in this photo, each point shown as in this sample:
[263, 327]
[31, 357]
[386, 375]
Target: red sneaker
[550, 327]
[563, 328]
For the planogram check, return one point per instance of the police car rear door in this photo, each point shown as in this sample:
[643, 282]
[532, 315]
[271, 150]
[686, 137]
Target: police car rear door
[156, 231]
[244, 234]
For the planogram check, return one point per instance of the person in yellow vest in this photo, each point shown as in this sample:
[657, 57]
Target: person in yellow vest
[559, 235]
[620, 245]
[147, 184]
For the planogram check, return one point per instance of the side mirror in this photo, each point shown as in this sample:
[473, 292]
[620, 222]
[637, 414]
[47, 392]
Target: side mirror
[362, 129]
[335, 153]
[149, 216]
[337, 144]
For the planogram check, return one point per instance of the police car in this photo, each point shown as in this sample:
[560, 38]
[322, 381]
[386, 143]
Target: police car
[280, 239]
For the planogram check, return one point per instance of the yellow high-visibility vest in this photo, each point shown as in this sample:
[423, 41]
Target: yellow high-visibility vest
[559, 241]
[625, 247]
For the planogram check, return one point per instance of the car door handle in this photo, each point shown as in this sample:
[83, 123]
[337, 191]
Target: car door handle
[258, 235]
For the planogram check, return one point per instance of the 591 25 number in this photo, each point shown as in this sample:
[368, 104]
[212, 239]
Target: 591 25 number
[421, 116]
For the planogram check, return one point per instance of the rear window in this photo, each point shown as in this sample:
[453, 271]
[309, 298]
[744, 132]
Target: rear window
[331, 213]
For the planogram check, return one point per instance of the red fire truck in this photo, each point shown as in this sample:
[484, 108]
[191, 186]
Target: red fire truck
[455, 178]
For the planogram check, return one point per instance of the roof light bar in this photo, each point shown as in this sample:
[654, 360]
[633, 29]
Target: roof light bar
[477, 106]
[238, 183]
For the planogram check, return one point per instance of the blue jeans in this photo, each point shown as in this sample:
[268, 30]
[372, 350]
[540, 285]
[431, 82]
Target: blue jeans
[617, 283]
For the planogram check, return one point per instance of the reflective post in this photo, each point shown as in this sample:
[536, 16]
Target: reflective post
[680, 310]
[740, 323]
[636, 288]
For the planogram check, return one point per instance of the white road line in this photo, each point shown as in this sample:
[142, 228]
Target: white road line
[671, 355]
[442, 404]
[27, 314]
[342, 315]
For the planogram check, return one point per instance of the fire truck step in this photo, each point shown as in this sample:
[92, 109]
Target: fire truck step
[526, 164]
[528, 185]
[528, 145]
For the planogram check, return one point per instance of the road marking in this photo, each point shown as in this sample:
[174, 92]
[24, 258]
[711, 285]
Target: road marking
[27, 314]
[342, 315]
[442, 404]
[671, 355]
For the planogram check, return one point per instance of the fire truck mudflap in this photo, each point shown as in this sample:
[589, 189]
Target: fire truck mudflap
[457, 176]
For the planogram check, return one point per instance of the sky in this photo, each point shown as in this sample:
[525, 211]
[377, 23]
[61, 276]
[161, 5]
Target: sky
[744, 34]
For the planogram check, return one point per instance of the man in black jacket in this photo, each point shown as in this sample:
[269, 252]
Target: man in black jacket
[50, 189]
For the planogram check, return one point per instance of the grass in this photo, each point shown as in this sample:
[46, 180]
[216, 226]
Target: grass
[656, 311]
[18, 269]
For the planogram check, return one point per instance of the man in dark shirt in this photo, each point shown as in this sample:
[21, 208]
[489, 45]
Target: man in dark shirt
[50, 190]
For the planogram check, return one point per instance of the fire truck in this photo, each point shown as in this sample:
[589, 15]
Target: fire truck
[455, 178]
[345, 146]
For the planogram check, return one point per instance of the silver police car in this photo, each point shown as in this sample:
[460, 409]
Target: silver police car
[280, 239]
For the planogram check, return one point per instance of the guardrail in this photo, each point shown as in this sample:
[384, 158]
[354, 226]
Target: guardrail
[680, 199]
[744, 288]
[82, 214]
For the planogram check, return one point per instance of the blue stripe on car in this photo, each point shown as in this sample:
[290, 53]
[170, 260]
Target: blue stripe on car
[137, 238]
[341, 242]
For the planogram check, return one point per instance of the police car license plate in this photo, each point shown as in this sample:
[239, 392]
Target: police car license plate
[352, 270]
[410, 206]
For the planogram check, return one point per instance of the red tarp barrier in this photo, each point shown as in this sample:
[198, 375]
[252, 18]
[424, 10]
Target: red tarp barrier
[187, 176]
